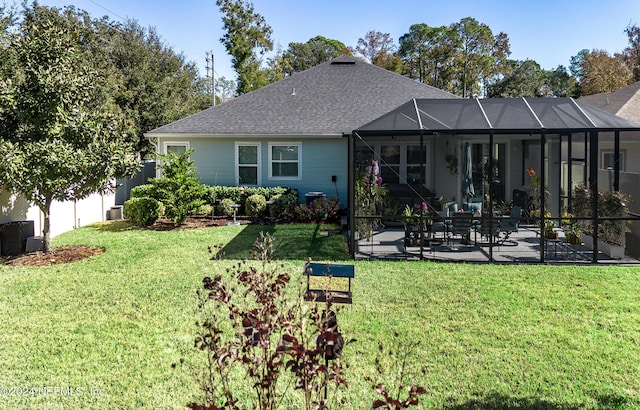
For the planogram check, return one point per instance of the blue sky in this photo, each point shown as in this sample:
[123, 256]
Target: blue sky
[549, 32]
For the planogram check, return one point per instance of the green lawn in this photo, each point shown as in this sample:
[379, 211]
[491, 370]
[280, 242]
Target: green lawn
[110, 328]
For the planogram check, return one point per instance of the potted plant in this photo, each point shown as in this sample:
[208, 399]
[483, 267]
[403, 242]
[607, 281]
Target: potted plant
[549, 231]
[573, 235]
[571, 229]
[369, 197]
[408, 220]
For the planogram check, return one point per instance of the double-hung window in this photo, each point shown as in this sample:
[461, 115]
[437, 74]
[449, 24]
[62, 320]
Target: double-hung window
[285, 160]
[177, 148]
[400, 163]
[248, 163]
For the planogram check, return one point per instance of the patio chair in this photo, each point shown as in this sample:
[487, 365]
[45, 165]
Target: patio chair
[461, 223]
[489, 228]
[510, 225]
[523, 200]
[441, 224]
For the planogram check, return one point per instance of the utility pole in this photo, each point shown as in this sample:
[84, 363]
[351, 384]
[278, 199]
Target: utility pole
[211, 68]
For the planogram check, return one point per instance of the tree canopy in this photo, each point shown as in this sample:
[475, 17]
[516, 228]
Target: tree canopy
[60, 139]
[76, 96]
[465, 58]
[302, 56]
[247, 37]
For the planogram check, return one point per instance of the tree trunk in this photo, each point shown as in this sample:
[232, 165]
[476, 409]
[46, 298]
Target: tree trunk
[46, 228]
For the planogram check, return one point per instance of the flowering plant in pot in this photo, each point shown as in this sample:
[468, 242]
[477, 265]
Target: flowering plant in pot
[369, 197]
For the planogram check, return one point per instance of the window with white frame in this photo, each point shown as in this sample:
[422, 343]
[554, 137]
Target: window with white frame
[608, 159]
[285, 160]
[176, 147]
[399, 162]
[248, 163]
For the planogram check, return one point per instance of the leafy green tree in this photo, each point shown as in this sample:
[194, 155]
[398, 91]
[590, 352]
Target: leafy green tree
[178, 188]
[525, 79]
[375, 46]
[602, 73]
[153, 85]
[247, 35]
[58, 140]
[428, 54]
[474, 58]
[302, 56]
[632, 52]
[225, 89]
[576, 70]
[461, 58]
[559, 83]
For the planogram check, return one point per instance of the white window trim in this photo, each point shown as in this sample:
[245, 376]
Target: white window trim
[404, 162]
[237, 161]
[403, 165]
[612, 152]
[166, 144]
[282, 144]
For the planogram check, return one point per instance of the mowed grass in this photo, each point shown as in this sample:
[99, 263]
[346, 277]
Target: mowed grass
[104, 332]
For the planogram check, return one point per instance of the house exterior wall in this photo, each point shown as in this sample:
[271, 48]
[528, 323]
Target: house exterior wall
[321, 158]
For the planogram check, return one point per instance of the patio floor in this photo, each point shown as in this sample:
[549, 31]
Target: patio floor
[521, 247]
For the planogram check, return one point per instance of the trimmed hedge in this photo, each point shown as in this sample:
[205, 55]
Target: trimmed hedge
[239, 195]
[144, 191]
[285, 199]
[143, 211]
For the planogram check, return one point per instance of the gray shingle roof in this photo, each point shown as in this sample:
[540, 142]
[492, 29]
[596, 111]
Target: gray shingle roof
[624, 103]
[333, 98]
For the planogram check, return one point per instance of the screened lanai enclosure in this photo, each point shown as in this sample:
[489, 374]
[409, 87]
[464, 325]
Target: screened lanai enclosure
[499, 180]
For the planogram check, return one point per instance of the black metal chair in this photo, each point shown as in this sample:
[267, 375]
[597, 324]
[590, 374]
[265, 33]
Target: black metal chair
[510, 225]
[489, 228]
[461, 223]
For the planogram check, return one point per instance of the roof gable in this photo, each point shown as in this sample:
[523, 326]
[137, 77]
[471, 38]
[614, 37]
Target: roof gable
[333, 98]
[625, 102]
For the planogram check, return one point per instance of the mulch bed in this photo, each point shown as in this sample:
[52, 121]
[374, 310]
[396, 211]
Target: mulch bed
[73, 253]
[62, 254]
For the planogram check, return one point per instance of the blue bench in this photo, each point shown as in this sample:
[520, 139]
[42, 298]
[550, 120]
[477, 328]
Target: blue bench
[328, 270]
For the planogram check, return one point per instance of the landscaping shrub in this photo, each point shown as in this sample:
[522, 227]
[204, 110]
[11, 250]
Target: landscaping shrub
[319, 210]
[210, 194]
[143, 211]
[255, 205]
[239, 195]
[284, 204]
[178, 188]
[250, 325]
[204, 210]
[146, 190]
[225, 208]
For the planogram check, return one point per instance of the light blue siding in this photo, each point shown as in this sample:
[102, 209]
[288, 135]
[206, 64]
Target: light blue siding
[214, 159]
